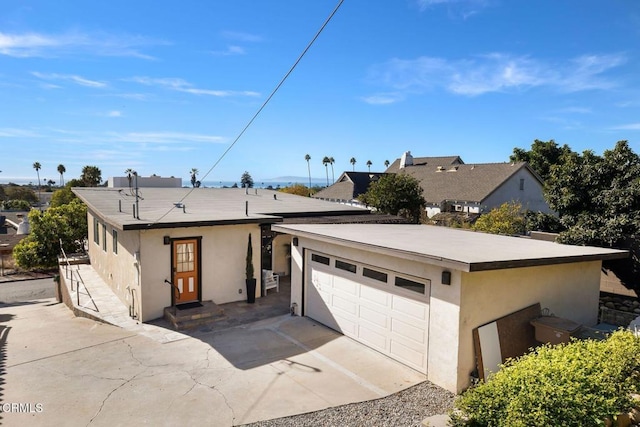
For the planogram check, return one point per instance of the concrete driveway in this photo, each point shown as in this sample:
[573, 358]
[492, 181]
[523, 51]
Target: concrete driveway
[56, 369]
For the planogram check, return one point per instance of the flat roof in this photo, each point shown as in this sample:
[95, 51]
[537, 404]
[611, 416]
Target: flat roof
[454, 248]
[202, 206]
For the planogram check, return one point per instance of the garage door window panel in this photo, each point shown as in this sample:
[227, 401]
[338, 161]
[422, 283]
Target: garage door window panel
[320, 259]
[375, 275]
[410, 285]
[346, 266]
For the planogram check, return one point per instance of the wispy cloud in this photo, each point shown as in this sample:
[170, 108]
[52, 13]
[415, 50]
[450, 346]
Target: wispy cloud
[229, 51]
[181, 85]
[18, 133]
[241, 36]
[383, 98]
[25, 45]
[630, 126]
[166, 137]
[495, 72]
[70, 78]
[460, 8]
[114, 113]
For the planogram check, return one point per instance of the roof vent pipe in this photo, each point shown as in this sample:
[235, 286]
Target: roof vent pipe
[134, 210]
[184, 208]
[119, 205]
[246, 208]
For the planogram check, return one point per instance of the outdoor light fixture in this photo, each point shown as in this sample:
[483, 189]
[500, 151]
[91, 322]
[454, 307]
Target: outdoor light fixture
[446, 277]
[166, 240]
[295, 241]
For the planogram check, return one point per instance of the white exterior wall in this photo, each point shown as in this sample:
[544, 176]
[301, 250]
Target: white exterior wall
[442, 346]
[222, 253]
[119, 271]
[281, 253]
[531, 197]
[570, 291]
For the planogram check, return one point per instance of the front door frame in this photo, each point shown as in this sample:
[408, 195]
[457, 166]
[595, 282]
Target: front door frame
[175, 240]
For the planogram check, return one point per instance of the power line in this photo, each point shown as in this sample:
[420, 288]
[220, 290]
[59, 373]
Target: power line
[264, 104]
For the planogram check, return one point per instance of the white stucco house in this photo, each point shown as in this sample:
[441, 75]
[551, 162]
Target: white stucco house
[173, 246]
[416, 292]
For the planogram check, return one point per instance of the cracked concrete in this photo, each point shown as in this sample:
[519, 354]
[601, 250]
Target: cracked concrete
[93, 374]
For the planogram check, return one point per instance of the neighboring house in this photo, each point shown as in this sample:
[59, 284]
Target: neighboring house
[474, 188]
[417, 293]
[450, 185]
[195, 239]
[348, 187]
[153, 181]
[14, 226]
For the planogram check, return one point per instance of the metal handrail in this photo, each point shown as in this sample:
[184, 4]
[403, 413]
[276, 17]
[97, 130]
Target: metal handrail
[175, 289]
[79, 280]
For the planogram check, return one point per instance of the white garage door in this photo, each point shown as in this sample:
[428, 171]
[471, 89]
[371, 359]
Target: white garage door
[387, 311]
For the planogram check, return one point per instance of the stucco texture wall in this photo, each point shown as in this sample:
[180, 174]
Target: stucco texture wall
[442, 340]
[118, 270]
[531, 196]
[281, 254]
[223, 253]
[570, 291]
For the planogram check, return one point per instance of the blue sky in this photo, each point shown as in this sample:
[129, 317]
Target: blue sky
[165, 86]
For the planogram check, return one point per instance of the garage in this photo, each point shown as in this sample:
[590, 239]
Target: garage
[385, 310]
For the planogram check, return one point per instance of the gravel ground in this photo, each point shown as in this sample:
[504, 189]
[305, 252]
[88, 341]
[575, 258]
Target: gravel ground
[404, 409]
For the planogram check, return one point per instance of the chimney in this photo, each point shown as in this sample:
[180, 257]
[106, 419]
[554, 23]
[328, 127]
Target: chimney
[406, 159]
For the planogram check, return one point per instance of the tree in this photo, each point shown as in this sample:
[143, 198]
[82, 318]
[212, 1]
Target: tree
[369, 165]
[61, 171]
[507, 219]
[396, 194]
[62, 196]
[130, 173]
[91, 176]
[194, 177]
[246, 180]
[16, 192]
[297, 189]
[542, 156]
[353, 163]
[308, 158]
[597, 198]
[325, 162]
[331, 162]
[386, 163]
[66, 223]
[37, 167]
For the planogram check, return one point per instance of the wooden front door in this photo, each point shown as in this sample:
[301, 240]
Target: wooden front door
[185, 270]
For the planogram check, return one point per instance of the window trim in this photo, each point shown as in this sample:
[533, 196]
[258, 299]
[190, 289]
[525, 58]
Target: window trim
[104, 237]
[96, 231]
[114, 241]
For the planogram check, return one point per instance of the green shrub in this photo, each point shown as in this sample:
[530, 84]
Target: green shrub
[576, 384]
[16, 205]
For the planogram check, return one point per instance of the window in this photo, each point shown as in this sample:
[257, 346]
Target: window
[96, 231]
[186, 257]
[114, 241]
[521, 184]
[374, 274]
[319, 258]
[104, 237]
[346, 266]
[410, 285]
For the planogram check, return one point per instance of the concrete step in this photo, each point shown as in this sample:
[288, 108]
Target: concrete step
[192, 317]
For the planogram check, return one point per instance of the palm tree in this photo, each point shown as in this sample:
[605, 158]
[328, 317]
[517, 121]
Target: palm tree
[307, 158]
[353, 163]
[331, 162]
[325, 162]
[369, 165]
[386, 163]
[61, 171]
[194, 177]
[37, 167]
